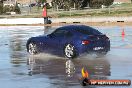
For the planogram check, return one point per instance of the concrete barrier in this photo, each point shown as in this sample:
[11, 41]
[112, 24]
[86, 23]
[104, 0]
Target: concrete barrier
[64, 20]
[76, 22]
[120, 21]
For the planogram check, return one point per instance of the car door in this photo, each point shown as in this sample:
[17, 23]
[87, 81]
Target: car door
[57, 40]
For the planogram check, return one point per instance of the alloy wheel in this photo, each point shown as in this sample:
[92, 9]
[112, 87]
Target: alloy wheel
[32, 49]
[69, 51]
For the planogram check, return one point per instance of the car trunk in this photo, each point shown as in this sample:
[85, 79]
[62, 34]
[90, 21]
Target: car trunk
[99, 42]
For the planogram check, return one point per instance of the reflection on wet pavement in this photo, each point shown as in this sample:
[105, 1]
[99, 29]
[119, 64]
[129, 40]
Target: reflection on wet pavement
[68, 71]
[20, 70]
[69, 68]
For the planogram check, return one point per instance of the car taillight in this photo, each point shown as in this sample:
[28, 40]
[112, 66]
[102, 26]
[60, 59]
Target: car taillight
[85, 42]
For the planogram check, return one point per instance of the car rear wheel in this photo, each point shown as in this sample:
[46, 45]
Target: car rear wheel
[69, 51]
[32, 48]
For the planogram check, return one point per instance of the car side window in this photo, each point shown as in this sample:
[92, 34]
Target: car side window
[62, 33]
[88, 31]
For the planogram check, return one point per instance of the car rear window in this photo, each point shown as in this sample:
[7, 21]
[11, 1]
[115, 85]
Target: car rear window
[88, 30]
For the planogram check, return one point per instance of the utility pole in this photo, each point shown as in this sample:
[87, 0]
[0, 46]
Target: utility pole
[30, 7]
[70, 11]
[109, 9]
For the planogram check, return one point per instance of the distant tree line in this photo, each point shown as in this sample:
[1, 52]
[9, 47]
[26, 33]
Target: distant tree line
[80, 4]
[7, 8]
[1, 6]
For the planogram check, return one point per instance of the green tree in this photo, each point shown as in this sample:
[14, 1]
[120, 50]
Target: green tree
[108, 2]
[43, 1]
[80, 4]
[85, 3]
[39, 2]
[66, 4]
[96, 3]
[17, 9]
[1, 6]
[99, 3]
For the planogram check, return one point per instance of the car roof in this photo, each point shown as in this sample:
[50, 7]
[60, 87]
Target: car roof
[74, 27]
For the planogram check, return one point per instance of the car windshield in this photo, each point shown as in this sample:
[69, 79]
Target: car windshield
[88, 30]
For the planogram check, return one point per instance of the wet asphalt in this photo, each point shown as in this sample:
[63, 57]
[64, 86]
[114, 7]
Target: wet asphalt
[18, 69]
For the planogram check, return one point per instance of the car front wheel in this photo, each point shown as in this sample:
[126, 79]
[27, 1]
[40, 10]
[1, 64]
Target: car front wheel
[69, 51]
[32, 48]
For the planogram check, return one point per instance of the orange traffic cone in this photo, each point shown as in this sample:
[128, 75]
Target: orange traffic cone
[123, 32]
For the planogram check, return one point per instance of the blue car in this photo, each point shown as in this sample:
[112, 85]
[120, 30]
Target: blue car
[70, 41]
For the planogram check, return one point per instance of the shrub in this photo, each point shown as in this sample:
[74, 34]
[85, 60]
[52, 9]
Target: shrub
[17, 9]
[1, 7]
[8, 8]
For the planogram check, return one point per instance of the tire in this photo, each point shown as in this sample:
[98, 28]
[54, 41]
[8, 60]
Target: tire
[32, 48]
[69, 51]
